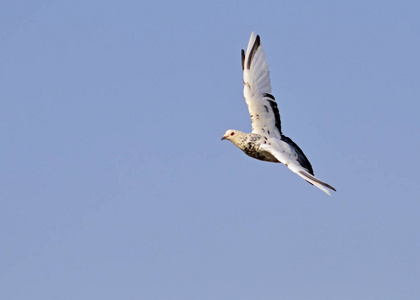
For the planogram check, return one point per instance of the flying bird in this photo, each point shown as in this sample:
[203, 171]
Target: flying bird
[267, 142]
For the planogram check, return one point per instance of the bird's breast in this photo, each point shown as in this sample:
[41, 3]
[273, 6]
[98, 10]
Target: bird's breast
[252, 148]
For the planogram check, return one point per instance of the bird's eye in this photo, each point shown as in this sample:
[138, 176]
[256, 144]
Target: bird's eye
[232, 133]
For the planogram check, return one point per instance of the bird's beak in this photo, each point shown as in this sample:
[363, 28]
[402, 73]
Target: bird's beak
[224, 138]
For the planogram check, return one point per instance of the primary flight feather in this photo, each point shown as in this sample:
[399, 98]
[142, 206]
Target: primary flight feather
[266, 141]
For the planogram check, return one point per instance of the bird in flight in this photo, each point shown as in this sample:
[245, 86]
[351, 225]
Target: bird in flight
[266, 141]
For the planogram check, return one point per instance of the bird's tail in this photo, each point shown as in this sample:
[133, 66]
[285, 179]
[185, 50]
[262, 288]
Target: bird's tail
[316, 182]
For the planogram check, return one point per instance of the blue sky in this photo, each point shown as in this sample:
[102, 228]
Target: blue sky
[114, 183]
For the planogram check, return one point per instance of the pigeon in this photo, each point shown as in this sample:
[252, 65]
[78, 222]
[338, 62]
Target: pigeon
[267, 142]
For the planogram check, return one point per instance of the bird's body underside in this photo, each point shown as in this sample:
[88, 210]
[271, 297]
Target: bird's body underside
[267, 142]
[251, 143]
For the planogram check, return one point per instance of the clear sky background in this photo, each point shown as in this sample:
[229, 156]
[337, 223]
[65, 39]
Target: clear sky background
[114, 183]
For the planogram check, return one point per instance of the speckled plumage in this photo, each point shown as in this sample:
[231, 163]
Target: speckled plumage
[267, 142]
[251, 143]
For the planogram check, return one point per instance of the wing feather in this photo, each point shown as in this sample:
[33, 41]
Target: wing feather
[262, 106]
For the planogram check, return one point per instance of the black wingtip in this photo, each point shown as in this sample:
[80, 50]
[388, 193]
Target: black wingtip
[253, 51]
[243, 59]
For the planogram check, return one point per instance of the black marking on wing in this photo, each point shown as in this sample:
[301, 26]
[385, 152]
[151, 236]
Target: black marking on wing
[269, 96]
[302, 160]
[266, 108]
[275, 110]
[243, 59]
[253, 51]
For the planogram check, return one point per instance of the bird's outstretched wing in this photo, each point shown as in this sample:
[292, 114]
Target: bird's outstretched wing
[292, 162]
[262, 106]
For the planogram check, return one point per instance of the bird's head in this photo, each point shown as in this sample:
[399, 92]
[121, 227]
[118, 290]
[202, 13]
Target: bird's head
[232, 135]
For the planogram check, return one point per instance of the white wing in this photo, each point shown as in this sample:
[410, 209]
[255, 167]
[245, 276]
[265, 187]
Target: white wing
[262, 106]
[290, 158]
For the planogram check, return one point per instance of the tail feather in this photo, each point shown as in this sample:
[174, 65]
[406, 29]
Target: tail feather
[316, 182]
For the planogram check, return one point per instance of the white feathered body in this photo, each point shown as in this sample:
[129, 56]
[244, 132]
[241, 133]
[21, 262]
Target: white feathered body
[267, 142]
